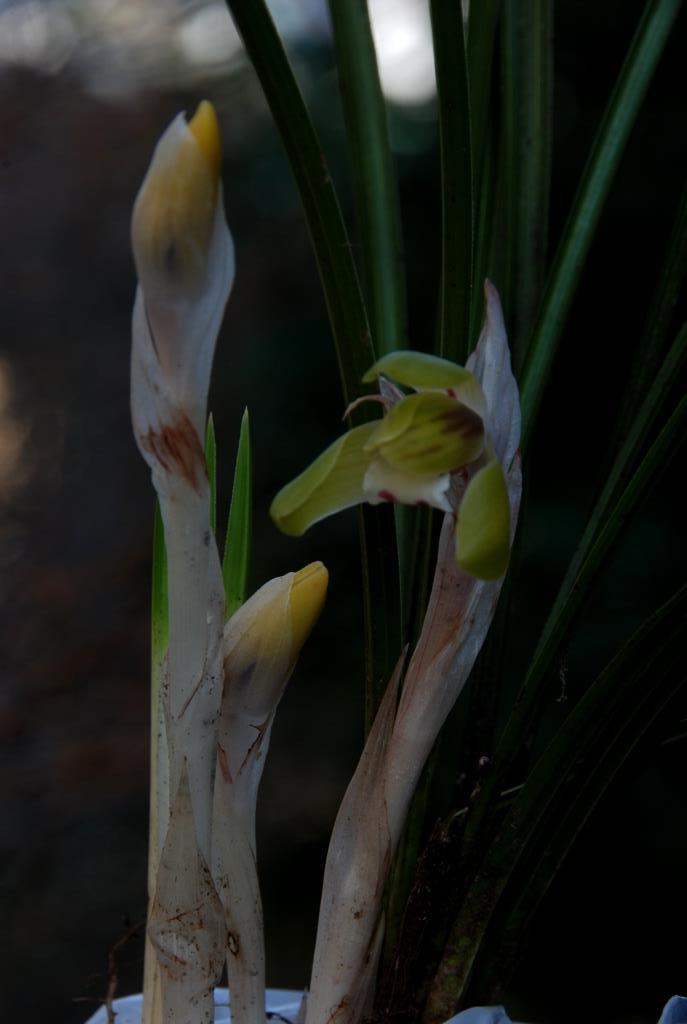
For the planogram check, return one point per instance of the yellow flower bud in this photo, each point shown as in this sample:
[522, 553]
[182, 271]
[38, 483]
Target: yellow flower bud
[204, 127]
[175, 210]
[308, 591]
[263, 639]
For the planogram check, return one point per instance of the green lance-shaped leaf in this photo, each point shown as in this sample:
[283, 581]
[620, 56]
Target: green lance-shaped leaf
[450, 61]
[640, 63]
[630, 451]
[527, 128]
[646, 673]
[330, 240]
[585, 754]
[237, 545]
[375, 191]
[377, 207]
[671, 278]
[482, 24]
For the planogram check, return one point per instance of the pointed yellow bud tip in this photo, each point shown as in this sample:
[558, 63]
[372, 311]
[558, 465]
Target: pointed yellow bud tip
[204, 127]
[308, 591]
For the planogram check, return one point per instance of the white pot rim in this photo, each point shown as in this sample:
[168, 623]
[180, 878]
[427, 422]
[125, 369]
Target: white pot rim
[279, 1001]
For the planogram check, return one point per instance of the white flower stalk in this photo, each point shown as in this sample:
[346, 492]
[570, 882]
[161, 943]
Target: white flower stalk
[262, 641]
[459, 614]
[349, 927]
[184, 259]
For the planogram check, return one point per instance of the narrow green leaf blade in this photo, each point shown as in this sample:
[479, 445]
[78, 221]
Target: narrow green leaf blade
[347, 313]
[330, 240]
[375, 191]
[587, 752]
[595, 549]
[482, 24]
[640, 63]
[671, 279]
[610, 721]
[450, 60]
[237, 546]
[528, 126]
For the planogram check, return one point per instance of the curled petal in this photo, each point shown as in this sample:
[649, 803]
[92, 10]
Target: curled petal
[425, 372]
[428, 433]
[483, 527]
[334, 481]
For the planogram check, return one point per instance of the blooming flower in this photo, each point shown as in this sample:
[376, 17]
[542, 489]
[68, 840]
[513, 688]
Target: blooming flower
[441, 446]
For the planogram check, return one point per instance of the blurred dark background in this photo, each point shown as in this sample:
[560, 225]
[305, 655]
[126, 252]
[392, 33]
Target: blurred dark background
[86, 91]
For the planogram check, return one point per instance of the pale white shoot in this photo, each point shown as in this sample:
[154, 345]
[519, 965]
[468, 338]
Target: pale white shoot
[184, 260]
[262, 641]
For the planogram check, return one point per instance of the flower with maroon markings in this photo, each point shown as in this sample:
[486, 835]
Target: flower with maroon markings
[443, 445]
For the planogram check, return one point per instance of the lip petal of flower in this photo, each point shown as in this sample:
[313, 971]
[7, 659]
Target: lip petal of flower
[384, 483]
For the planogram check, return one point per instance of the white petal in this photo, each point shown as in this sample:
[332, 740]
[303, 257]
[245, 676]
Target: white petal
[384, 483]
[490, 362]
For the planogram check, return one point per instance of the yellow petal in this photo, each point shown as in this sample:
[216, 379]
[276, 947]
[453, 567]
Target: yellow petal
[204, 126]
[483, 527]
[308, 591]
[175, 209]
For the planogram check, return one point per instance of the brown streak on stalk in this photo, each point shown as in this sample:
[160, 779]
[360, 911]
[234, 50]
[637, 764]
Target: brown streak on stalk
[223, 763]
[257, 742]
[184, 913]
[177, 448]
[340, 1009]
[193, 692]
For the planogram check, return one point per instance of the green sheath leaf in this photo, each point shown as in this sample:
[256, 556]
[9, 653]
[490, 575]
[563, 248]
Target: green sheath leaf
[237, 546]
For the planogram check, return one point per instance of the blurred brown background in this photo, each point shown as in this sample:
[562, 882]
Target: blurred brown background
[86, 90]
